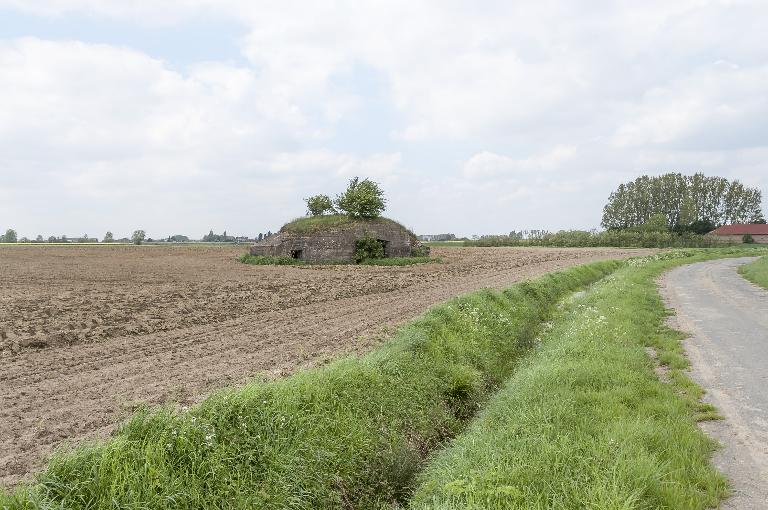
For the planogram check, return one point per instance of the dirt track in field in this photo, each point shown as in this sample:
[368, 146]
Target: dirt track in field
[89, 333]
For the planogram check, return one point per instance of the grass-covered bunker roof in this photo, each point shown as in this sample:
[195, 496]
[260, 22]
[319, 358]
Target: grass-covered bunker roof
[317, 224]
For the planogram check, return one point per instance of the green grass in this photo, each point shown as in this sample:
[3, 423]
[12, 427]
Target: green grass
[308, 224]
[350, 435]
[756, 272]
[586, 422]
[259, 260]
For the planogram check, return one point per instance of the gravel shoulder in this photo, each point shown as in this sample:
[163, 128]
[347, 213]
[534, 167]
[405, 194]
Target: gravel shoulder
[727, 318]
[87, 334]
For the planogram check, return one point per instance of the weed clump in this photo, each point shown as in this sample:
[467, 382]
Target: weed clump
[260, 260]
[368, 248]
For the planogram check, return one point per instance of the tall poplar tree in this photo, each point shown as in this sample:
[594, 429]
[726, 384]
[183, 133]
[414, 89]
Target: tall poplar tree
[683, 200]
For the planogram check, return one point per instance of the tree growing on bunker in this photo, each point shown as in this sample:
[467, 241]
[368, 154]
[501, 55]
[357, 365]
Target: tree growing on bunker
[362, 199]
[319, 205]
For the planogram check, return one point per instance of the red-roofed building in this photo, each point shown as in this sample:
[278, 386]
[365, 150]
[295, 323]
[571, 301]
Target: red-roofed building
[736, 233]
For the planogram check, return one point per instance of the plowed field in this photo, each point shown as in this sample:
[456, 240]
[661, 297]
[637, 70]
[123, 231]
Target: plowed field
[89, 333]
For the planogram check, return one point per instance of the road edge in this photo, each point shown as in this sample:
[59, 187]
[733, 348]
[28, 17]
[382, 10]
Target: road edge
[728, 457]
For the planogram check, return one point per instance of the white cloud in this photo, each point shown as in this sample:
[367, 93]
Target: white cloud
[73, 101]
[323, 164]
[146, 12]
[485, 165]
[718, 106]
[456, 71]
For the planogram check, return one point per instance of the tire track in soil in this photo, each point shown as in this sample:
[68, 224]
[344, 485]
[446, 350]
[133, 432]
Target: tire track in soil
[61, 395]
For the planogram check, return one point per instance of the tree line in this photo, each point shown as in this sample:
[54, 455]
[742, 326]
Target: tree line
[138, 237]
[682, 203]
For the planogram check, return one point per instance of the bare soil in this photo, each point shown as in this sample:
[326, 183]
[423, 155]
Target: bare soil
[88, 333]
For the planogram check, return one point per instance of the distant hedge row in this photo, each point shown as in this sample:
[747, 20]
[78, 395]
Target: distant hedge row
[608, 238]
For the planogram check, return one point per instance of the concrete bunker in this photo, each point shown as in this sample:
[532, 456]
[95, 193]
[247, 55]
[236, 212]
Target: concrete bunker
[335, 238]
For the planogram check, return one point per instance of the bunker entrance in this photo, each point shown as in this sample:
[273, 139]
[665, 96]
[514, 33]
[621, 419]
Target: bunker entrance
[385, 245]
[296, 254]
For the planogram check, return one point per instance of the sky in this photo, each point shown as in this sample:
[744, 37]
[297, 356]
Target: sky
[182, 116]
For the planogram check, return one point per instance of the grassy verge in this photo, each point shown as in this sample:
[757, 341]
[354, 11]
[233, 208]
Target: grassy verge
[586, 421]
[756, 272]
[351, 435]
[258, 260]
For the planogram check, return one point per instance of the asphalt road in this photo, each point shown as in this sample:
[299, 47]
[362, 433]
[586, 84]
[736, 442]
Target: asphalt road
[727, 318]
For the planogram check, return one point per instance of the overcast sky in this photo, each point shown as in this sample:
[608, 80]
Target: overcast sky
[178, 116]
